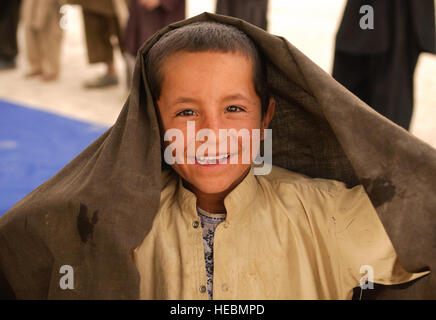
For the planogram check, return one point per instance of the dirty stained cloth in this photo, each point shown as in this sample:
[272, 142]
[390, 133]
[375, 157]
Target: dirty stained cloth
[100, 207]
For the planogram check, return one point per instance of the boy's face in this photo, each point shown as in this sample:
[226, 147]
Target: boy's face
[216, 91]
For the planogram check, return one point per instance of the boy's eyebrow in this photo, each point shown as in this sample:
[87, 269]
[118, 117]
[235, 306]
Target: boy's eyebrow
[235, 97]
[185, 100]
[226, 98]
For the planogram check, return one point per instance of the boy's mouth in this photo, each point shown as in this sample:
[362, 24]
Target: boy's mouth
[220, 159]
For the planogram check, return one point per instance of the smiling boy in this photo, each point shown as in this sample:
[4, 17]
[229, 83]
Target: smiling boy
[228, 233]
[214, 89]
[130, 224]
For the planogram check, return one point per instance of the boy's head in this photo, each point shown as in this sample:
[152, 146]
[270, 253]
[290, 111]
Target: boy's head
[213, 75]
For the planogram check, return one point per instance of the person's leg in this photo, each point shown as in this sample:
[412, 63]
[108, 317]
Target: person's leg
[353, 72]
[51, 43]
[394, 90]
[98, 31]
[393, 87]
[405, 64]
[97, 37]
[33, 51]
[130, 67]
[9, 16]
[114, 30]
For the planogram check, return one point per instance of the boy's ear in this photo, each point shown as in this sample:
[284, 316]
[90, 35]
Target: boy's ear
[268, 115]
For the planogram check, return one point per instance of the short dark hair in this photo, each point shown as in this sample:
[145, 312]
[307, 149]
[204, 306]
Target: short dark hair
[201, 37]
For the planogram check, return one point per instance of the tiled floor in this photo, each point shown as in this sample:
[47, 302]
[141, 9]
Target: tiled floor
[309, 25]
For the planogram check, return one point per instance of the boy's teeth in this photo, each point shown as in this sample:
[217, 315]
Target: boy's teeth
[211, 159]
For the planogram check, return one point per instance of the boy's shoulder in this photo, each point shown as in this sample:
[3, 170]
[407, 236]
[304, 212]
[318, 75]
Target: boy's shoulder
[283, 178]
[319, 197]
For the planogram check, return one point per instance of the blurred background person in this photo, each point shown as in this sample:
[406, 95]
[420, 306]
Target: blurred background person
[378, 64]
[253, 11]
[9, 17]
[145, 18]
[104, 20]
[43, 37]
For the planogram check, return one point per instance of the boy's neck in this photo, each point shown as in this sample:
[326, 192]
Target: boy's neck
[213, 202]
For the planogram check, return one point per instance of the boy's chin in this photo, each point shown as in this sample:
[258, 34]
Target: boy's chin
[218, 182]
[212, 188]
[223, 184]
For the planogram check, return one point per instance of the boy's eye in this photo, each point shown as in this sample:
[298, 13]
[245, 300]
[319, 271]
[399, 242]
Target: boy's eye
[234, 109]
[185, 113]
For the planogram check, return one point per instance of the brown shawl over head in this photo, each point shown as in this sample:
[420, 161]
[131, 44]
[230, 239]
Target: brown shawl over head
[96, 210]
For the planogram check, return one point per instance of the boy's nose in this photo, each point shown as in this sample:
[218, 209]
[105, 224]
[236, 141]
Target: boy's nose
[211, 122]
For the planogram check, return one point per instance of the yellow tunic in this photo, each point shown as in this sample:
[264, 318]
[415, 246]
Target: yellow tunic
[285, 236]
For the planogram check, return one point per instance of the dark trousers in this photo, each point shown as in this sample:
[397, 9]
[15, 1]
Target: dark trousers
[9, 17]
[385, 80]
[384, 84]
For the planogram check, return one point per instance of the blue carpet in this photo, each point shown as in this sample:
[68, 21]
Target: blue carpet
[34, 145]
